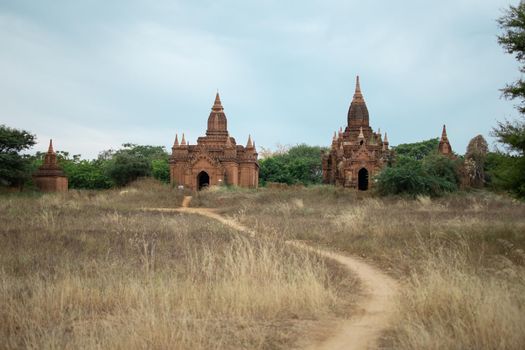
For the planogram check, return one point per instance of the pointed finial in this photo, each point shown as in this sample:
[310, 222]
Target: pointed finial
[217, 105]
[444, 133]
[386, 138]
[335, 136]
[379, 131]
[249, 144]
[357, 94]
[183, 142]
[176, 143]
[50, 149]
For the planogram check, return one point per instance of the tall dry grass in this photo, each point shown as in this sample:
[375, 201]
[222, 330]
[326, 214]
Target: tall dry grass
[90, 270]
[460, 258]
[449, 305]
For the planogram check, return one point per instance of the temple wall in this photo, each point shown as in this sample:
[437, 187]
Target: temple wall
[176, 175]
[228, 173]
[232, 173]
[248, 175]
[51, 183]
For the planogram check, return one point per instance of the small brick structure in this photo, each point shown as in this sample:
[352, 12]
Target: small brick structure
[357, 153]
[444, 147]
[216, 159]
[49, 177]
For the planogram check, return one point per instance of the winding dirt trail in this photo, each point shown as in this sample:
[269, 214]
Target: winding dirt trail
[363, 330]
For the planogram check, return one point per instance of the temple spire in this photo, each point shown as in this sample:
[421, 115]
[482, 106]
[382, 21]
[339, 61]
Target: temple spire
[50, 158]
[176, 143]
[444, 146]
[358, 113]
[217, 105]
[250, 143]
[358, 95]
[183, 142]
[217, 123]
[50, 149]
[444, 136]
[49, 177]
[385, 143]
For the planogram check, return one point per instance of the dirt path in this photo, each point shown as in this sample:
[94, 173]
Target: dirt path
[364, 329]
[361, 331]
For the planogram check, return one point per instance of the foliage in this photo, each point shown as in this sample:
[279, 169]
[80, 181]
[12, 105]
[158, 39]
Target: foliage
[112, 167]
[433, 176]
[134, 161]
[160, 169]
[442, 167]
[513, 41]
[416, 150]
[300, 164]
[81, 173]
[14, 167]
[506, 172]
[512, 133]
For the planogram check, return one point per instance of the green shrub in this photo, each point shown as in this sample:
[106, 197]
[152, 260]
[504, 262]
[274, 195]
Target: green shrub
[301, 164]
[160, 169]
[433, 176]
[506, 172]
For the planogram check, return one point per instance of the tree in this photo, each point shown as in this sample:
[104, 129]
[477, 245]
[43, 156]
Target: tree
[81, 173]
[160, 169]
[434, 175]
[512, 133]
[134, 161]
[416, 150]
[14, 167]
[299, 164]
[513, 41]
[505, 172]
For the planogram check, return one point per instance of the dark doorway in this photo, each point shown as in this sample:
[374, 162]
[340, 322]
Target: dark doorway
[362, 180]
[203, 180]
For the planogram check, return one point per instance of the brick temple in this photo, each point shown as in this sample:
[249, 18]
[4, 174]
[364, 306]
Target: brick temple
[444, 147]
[49, 177]
[216, 159]
[358, 152]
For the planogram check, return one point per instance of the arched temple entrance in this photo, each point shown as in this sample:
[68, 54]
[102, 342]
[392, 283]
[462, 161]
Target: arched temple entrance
[362, 182]
[203, 180]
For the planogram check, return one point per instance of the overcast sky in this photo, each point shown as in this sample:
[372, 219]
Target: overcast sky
[95, 74]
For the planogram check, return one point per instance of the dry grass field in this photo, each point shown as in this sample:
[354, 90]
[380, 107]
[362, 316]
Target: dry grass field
[460, 258]
[93, 270]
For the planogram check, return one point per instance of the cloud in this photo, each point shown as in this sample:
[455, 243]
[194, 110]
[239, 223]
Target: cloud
[93, 75]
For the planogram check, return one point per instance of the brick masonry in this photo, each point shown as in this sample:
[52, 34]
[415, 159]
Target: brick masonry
[216, 159]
